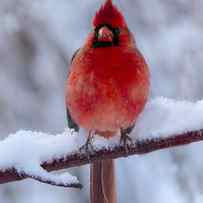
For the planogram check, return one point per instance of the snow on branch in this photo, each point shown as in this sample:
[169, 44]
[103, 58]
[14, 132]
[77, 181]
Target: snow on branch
[163, 124]
[25, 152]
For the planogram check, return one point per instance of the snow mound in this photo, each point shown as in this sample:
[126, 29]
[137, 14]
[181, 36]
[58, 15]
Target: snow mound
[164, 117]
[26, 151]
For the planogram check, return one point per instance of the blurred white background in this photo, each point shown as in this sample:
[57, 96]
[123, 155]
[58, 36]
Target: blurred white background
[37, 40]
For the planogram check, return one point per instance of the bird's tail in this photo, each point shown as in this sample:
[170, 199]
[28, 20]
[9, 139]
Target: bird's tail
[103, 187]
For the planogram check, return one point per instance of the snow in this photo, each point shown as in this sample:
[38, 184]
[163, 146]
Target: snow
[164, 117]
[26, 151]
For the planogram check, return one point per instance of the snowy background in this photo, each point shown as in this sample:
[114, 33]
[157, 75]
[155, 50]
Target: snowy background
[37, 40]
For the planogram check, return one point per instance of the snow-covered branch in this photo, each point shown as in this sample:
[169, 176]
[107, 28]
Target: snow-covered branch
[78, 158]
[164, 123]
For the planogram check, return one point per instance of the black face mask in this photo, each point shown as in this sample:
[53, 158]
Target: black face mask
[115, 42]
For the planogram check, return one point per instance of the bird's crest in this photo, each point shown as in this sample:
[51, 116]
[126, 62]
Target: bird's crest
[109, 14]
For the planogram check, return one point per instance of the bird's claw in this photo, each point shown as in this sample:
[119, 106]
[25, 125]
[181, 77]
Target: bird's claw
[87, 148]
[126, 141]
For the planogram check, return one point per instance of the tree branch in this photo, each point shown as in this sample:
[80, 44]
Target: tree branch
[78, 159]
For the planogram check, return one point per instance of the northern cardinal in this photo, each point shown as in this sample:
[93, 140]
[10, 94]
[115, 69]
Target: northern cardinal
[107, 88]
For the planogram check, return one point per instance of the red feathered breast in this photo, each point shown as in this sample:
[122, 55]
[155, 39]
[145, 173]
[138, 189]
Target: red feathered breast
[107, 88]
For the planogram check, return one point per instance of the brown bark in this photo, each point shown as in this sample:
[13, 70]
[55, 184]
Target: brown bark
[102, 183]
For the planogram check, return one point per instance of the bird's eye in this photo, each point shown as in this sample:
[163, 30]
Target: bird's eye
[116, 31]
[96, 33]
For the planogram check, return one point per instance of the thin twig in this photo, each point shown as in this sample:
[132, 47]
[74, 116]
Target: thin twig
[51, 182]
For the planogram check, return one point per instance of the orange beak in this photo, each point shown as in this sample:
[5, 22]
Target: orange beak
[105, 35]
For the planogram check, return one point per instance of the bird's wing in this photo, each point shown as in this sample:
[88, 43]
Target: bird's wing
[71, 123]
[74, 55]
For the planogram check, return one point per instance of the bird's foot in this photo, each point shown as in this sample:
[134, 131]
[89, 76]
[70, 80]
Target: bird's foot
[87, 148]
[126, 141]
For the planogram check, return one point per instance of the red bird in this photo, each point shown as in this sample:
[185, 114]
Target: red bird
[108, 85]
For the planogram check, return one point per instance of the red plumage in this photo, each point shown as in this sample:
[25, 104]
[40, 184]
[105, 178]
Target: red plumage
[108, 87]
[109, 14]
